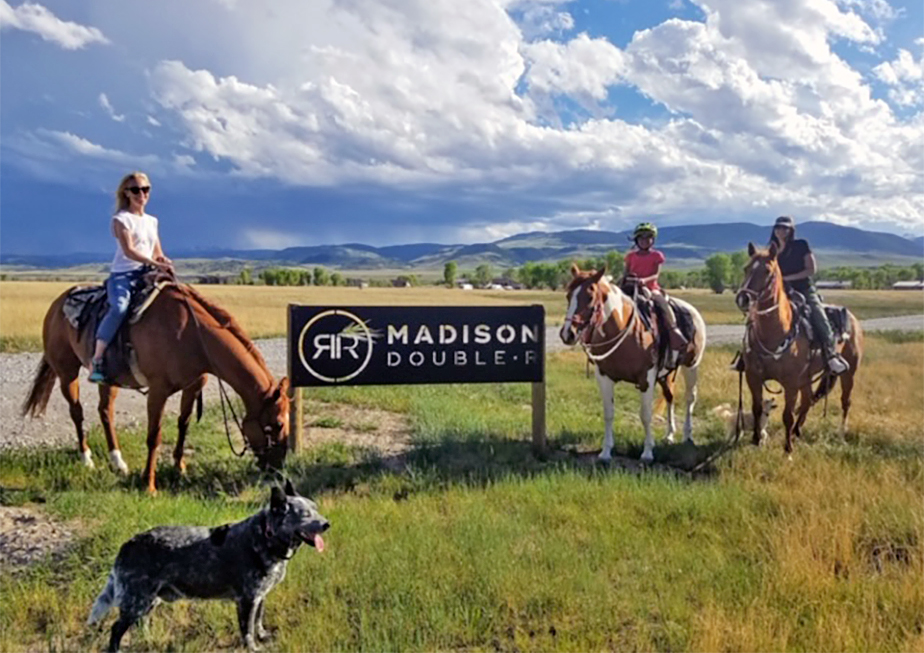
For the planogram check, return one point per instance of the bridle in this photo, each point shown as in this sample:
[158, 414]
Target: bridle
[758, 296]
[582, 323]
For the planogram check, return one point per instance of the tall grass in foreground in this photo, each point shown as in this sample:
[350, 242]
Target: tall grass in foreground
[477, 545]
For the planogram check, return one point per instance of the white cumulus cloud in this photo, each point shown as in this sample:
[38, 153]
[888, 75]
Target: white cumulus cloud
[35, 18]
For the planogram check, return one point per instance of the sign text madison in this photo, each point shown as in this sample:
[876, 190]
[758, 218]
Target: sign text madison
[378, 345]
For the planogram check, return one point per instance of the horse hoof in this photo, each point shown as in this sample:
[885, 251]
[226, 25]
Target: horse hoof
[669, 438]
[604, 457]
[647, 457]
[115, 460]
[181, 467]
[86, 457]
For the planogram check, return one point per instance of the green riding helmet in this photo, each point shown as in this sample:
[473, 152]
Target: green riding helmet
[645, 228]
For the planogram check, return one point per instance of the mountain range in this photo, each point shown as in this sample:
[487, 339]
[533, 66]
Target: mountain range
[684, 246]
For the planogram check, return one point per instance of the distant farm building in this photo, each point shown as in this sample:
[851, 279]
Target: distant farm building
[834, 285]
[908, 285]
[357, 283]
[401, 282]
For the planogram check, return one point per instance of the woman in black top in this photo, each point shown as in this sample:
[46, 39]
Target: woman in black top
[797, 264]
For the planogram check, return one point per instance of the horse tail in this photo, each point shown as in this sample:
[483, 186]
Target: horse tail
[40, 393]
[199, 407]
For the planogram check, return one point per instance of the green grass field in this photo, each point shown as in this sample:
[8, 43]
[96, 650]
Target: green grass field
[261, 309]
[476, 545]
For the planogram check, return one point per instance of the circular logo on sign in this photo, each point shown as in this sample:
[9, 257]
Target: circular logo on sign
[339, 346]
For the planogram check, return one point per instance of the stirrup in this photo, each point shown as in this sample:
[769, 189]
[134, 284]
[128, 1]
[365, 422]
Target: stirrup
[737, 363]
[837, 365]
[96, 373]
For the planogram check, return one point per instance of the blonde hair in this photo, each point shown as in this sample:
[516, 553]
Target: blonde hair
[121, 200]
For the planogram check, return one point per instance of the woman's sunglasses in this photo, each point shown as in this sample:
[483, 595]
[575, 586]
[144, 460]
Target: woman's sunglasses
[139, 189]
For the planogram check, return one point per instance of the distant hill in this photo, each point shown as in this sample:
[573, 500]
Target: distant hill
[685, 246]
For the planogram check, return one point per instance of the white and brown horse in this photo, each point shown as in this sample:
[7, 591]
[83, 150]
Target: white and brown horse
[607, 324]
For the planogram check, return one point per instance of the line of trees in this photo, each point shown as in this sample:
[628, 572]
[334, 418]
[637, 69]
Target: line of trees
[721, 271]
[293, 277]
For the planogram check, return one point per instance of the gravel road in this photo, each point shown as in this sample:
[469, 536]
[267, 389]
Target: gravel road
[55, 428]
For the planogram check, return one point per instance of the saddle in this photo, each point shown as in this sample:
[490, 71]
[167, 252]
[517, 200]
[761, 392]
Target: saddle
[837, 317]
[85, 306]
[656, 322]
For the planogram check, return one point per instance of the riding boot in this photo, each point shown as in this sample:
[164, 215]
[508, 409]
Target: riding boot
[835, 362]
[97, 373]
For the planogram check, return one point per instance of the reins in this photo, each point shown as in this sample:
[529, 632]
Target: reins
[223, 394]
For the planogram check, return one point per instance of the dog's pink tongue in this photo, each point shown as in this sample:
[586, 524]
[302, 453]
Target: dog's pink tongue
[318, 543]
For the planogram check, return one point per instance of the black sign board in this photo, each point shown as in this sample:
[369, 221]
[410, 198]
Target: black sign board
[396, 345]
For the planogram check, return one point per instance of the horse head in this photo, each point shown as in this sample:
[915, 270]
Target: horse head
[761, 277]
[267, 427]
[584, 295]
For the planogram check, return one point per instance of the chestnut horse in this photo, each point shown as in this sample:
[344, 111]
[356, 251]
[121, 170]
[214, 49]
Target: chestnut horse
[180, 339]
[773, 349]
[606, 322]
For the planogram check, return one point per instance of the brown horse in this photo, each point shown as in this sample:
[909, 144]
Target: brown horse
[606, 322]
[180, 339]
[773, 349]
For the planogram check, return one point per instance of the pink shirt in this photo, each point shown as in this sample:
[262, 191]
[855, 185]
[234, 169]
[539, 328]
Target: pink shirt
[645, 264]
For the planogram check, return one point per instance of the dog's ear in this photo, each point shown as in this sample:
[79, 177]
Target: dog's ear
[277, 499]
[218, 535]
[290, 491]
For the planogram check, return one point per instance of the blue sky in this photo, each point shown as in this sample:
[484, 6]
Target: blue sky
[295, 122]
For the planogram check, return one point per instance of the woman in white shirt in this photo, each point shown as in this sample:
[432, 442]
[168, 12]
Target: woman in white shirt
[138, 245]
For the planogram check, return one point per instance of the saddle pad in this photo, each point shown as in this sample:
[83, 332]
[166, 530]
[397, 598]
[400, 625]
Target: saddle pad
[83, 301]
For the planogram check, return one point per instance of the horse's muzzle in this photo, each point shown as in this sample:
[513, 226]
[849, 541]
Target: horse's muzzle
[743, 301]
[568, 334]
[273, 457]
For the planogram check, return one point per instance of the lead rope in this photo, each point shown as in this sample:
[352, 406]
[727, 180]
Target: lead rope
[732, 441]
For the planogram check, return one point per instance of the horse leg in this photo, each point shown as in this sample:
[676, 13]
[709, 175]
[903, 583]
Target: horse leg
[606, 387]
[690, 380]
[156, 401]
[846, 390]
[756, 386]
[187, 401]
[70, 388]
[645, 414]
[805, 403]
[668, 388]
[107, 395]
[788, 420]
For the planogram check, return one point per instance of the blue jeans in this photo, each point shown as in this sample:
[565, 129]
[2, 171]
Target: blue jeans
[119, 293]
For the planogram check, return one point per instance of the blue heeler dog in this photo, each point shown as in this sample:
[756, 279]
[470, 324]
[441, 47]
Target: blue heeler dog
[241, 562]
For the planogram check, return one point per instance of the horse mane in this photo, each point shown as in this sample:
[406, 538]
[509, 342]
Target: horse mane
[779, 289]
[226, 321]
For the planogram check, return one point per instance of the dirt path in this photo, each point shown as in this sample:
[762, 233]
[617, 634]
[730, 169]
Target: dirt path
[54, 429]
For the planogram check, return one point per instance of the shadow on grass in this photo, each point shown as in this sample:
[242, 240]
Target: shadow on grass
[480, 462]
[449, 460]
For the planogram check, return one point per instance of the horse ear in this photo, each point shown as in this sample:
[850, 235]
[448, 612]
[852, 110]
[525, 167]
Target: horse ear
[290, 491]
[277, 499]
[751, 249]
[773, 249]
[575, 270]
[599, 274]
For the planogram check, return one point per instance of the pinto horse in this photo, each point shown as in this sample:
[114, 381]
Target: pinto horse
[182, 337]
[774, 349]
[606, 323]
